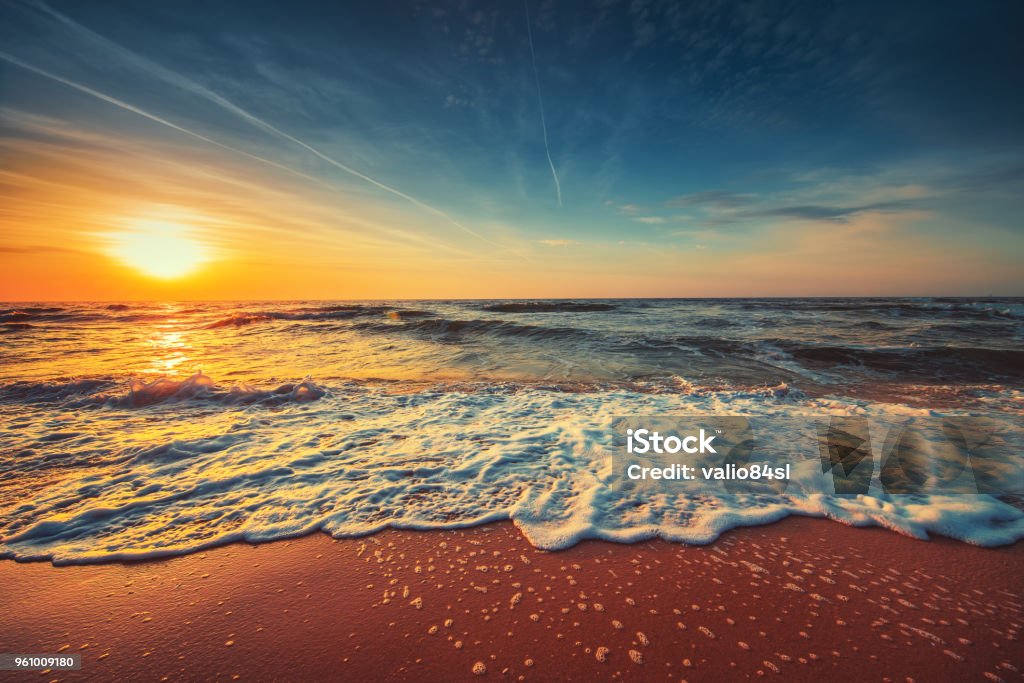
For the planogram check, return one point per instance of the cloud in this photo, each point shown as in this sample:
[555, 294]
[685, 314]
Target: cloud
[714, 198]
[650, 220]
[818, 197]
[630, 208]
[835, 214]
[557, 242]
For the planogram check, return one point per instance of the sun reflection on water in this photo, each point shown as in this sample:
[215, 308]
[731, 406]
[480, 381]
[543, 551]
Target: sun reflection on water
[170, 348]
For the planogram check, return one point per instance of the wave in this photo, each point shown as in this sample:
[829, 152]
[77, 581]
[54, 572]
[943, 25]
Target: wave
[199, 386]
[51, 315]
[30, 310]
[548, 307]
[982, 309]
[141, 393]
[408, 314]
[892, 308]
[241, 318]
[365, 458]
[56, 391]
[456, 330]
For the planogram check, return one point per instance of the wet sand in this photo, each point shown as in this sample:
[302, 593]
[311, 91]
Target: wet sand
[804, 599]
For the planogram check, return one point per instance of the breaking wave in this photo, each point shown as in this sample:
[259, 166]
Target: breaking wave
[141, 393]
[116, 484]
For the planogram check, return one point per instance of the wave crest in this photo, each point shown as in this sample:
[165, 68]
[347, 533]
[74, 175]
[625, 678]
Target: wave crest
[83, 393]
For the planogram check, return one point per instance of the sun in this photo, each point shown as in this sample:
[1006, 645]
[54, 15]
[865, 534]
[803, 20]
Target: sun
[158, 249]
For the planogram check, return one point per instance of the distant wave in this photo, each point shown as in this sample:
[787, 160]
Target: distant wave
[243, 318]
[468, 329]
[952, 308]
[948, 363]
[48, 314]
[548, 307]
[30, 310]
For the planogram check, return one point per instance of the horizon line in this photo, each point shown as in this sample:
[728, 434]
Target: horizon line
[519, 298]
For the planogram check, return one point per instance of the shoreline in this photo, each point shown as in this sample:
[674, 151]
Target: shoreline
[802, 597]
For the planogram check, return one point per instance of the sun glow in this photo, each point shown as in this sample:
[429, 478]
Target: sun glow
[158, 249]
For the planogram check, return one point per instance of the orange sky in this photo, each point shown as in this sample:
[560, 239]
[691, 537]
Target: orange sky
[70, 204]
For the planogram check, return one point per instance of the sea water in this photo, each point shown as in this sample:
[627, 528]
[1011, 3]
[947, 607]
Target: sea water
[133, 430]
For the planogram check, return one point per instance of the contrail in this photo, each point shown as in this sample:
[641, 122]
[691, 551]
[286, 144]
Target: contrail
[145, 114]
[198, 136]
[198, 89]
[540, 101]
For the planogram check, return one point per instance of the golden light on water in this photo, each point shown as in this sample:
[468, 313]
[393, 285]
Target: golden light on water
[158, 249]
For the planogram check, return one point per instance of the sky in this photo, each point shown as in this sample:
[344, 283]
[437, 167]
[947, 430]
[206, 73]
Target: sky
[510, 149]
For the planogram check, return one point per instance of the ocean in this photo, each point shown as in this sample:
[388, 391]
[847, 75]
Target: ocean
[134, 430]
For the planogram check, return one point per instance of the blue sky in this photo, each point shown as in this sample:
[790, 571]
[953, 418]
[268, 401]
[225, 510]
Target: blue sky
[698, 148]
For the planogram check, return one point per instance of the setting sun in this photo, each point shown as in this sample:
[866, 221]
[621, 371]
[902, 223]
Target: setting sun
[158, 249]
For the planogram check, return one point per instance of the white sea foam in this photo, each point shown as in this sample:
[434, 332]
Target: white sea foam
[119, 481]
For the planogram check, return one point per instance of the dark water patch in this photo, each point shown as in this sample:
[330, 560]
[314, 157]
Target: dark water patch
[719, 323]
[54, 315]
[31, 310]
[18, 317]
[871, 325]
[464, 330]
[896, 308]
[971, 329]
[949, 363]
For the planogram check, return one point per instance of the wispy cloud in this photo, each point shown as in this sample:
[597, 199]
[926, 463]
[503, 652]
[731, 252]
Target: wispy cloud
[192, 86]
[145, 114]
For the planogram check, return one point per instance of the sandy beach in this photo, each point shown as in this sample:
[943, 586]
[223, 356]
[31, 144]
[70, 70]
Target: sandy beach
[805, 599]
